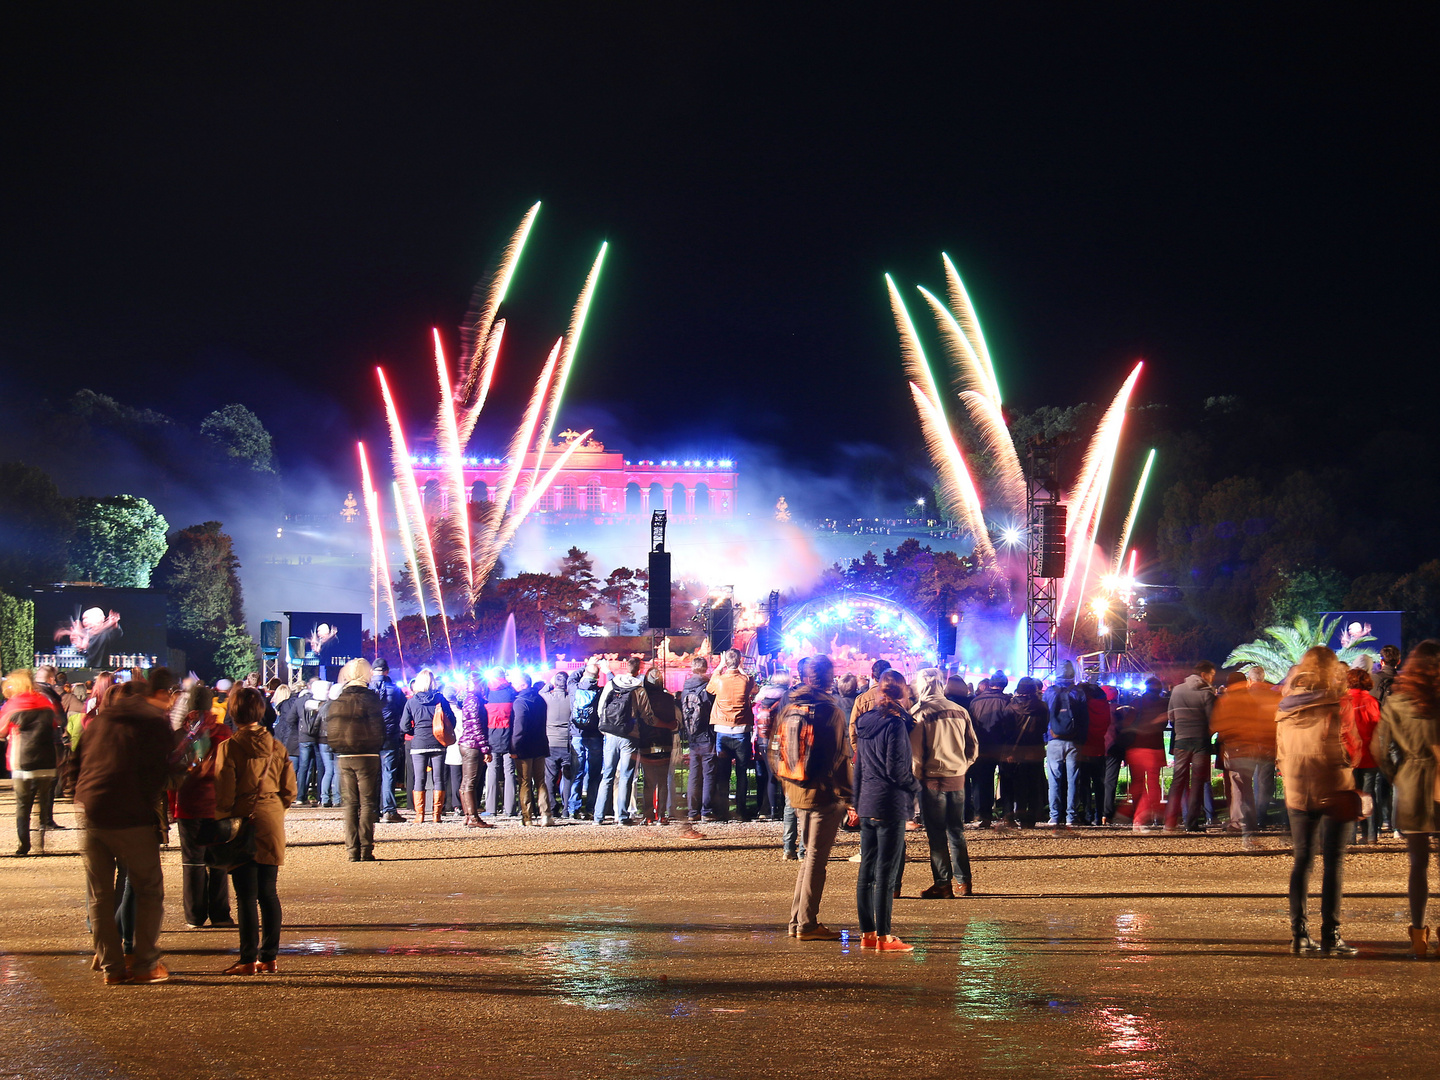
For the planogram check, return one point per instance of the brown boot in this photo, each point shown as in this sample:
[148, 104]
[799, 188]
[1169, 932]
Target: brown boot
[467, 804]
[439, 805]
[1419, 941]
[417, 798]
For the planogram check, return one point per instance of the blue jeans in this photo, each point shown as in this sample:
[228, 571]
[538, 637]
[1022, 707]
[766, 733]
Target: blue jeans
[1189, 783]
[735, 748]
[305, 770]
[882, 848]
[944, 815]
[1063, 757]
[793, 841]
[329, 776]
[389, 765]
[587, 751]
[700, 789]
[619, 763]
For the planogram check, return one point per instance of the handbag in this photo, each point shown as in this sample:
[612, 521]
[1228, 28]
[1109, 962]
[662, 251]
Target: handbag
[443, 727]
[230, 844]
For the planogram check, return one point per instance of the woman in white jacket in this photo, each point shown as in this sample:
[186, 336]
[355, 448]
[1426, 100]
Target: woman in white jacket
[943, 746]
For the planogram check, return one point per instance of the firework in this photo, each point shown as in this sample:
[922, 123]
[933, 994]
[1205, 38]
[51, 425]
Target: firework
[526, 431]
[1134, 509]
[400, 454]
[916, 366]
[380, 565]
[965, 316]
[567, 357]
[477, 336]
[962, 501]
[447, 438]
[537, 491]
[407, 541]
[991, 425]
[487, 376]
[970, 370]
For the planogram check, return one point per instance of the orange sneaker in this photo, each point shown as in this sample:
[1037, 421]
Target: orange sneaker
[157, 974]
[891, 943]
[870, 941]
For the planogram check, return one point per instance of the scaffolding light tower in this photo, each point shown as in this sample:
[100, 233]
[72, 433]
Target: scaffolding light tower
[1042, 508]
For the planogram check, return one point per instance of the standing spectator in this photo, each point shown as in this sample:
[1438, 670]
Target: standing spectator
[356, 729]
[1319, 790]
[427, 753]
[392, 708]
[1247, 732]
[1407, 747]
[31, 726]
[308, 771]
[474, 743]
[657, 724]
[253, 780]
[1114, 754]
[696, 704]
[1145, 754]
[500, 776]
[558, 774]
[987, 711]
[530, 744]
[1190, 705]
[1266, 700]
[44, 681]
[943, 747]
[1368, 777]
[1383, 680]
[847, 689]
[586, 743]
[329, 765]
[732, 717]
[454, 760]
[821, 798]
[619, 705]
[122, 770]
[769, 702]
[1022, 762]
[1069, 724]
[289, 707]
[885, 786]
[205, 890]
[958, 691]
[1093, 809]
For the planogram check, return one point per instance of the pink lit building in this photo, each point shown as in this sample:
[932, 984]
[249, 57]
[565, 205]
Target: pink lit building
[596, 483]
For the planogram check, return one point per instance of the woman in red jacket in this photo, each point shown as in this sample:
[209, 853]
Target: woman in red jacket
[1368, 777]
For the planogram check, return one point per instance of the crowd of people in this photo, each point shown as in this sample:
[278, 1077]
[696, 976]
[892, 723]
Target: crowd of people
[140, 752]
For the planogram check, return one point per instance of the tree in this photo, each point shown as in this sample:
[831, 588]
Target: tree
[624, 588]
[118, 541]
[17, 632]
[1288, 644]
[235, 654]
[239, 433]
[579, 568]
[200, 572]
[36, 526]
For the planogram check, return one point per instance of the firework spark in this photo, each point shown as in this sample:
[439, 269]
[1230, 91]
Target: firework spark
[447, 438]
[567, 357]
[1134, 510]
[487, 376]
[526, 431]
[405, 473]
[965, 316]
[993, 429]
[477, 336]
[961, 500]
[970, 370]
[380, 563]
[917, 368]
[407, 541]
[537, 491]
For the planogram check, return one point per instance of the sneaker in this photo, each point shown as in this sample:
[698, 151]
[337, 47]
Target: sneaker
[21, 852]
[241, 968]
[142, 977]
[891, 943]
[870, 940]
[392, 818]
[194, 926]
[819, 932]
[265, 967]
[548, 821]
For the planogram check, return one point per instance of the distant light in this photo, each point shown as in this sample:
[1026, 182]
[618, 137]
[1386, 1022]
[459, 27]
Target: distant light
[1010, 537]
[726, 464]
[709, 464]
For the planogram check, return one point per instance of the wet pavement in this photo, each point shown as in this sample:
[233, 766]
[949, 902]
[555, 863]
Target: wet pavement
[582, 951]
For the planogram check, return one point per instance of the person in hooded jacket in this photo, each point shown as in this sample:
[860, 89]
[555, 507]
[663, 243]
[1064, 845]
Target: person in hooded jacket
[695, 705]
[288, 709]
[558, 774]
[1191, 704]
[1368, 777]
[530, 743]
[307, 770]
[656, 729]
[31, 726]
[885, 786]
[474, 743]
[587, 746]
[356, 728]
[943, 747]
[617, 774]
[501, 776]
[1022, 758]
[987, 712]
[1094, 799]
[1315, 754]
[254, 781]
[392, 708]
[1407, 746]
[426, 752]
[1069, 725]
[769, 703]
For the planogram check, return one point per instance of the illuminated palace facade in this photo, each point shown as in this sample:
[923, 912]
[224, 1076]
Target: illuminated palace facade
[596, 483]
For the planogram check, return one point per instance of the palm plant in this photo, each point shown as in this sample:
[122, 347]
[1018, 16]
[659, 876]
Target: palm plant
[1288, 644]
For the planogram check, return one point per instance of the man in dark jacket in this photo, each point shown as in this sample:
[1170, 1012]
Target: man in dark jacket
[392, 708]
[530, 745]
[558, 776]
[1190, 705]
[1069, 711]
[587, 745]
[500, 716]
[122, 768]
[356, 729]
[987, 709]
[695, 729]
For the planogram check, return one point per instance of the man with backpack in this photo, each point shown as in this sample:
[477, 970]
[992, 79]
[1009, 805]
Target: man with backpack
[695, 705]
[587, 746]
[810, 753]
[620, 710]
[1069, 711]
[732, 718]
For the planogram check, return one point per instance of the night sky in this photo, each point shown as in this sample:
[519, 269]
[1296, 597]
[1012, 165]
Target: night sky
[207, 203]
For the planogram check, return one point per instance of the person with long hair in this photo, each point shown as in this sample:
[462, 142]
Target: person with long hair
[1407, 747]
[885, 786]
[944, 745]
[255, 780]
[1319, 791]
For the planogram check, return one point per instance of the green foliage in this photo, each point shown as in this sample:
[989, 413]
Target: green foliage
[17, 633]
[118, 541]
[241, 435]
[36, 524]
[1416, 593]
[624, 589]
[1307, 592]
[1288, 644]
[235, 654]
[200, 573]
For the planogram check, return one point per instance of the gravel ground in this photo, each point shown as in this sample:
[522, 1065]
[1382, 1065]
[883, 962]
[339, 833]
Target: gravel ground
[582, 951]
